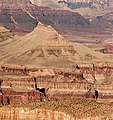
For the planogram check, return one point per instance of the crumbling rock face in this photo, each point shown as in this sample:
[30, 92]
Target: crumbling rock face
[70, 82]
[11, 97]
[25, 113]
[15, 19]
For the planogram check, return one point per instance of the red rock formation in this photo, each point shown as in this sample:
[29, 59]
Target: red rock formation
[22, 8]
[11, 97]
[61, 82]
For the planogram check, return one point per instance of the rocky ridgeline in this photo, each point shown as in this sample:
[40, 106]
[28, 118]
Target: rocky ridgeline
[44, 46]
[13, 16]
[73, 4]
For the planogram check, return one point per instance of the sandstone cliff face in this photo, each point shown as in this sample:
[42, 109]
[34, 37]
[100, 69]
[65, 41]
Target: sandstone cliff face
[40, 114]
[62, 82]
[71, 109]
[47, 48]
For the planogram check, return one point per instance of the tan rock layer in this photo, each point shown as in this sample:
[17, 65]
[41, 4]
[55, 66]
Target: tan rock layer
[35, 114]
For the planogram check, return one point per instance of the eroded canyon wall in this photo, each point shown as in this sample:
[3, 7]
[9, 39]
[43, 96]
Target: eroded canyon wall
[61, 82]
[35, 114]
[13, 16]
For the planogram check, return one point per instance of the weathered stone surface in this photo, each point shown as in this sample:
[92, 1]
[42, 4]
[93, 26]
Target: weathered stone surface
[44, 46]
[59, 81]
[25, 113]
[23, 15]
[6, 34]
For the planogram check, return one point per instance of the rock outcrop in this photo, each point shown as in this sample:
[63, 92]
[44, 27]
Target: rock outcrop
[6, 36]
[55, 62]
[44, 46]
[60, 82]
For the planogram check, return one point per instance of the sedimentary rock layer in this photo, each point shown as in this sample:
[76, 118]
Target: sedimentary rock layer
[13, 16]
[21, 113]
[61, 81]
[44, 46]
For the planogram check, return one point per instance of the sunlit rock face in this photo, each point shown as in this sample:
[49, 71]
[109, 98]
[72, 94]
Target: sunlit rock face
[37, 2]
[43, 2]
[40, 44]
[36, 114]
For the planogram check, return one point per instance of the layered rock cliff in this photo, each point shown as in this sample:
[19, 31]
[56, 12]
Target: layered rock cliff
[13, 16]
[44, 46]
[25, 17]
[60, 82]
